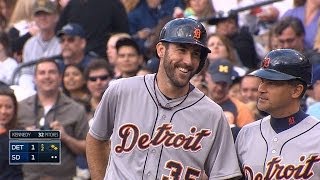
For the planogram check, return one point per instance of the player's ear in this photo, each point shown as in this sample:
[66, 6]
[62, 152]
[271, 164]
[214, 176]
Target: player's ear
[297, 90]
[160, 49]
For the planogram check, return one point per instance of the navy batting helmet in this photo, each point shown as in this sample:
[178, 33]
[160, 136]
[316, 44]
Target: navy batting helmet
[186, 30]
[285, 64]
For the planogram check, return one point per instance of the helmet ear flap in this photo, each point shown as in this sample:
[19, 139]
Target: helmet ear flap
[201, 64]
[203, 59]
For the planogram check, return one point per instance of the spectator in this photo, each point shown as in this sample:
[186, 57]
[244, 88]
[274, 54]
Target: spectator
[52, 109]
[309, 15]
[21, 26]
[249, 88]
[150, 67]
[200, 9]
[227, 25]
[45, 43]
[74, 84]
[219, 79]
[222, 48]
[314, 109]
[8, 119]
[6, 7]
[63, 3]
[249, 94]
[98, 18]
[111, 50]
[7, 64]
[144, 19]
[129, 5]
[256, 18]
[129, 58]
[290, 33]
[98, 74]
[73, 44]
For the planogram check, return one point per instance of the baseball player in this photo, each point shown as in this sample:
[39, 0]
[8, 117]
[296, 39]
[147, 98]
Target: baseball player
[285, 144]
[160, 126]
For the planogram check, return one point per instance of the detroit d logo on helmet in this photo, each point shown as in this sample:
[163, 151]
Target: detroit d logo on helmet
[197, 33]
[265, 63]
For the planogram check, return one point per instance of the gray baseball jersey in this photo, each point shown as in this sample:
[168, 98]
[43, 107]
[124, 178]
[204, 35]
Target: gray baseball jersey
[290, 154]
[150, 142]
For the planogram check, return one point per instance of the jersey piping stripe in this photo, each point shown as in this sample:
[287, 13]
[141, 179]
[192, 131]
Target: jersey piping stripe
[297, 136]
[154, 125]
[170, 122]
[265, 158]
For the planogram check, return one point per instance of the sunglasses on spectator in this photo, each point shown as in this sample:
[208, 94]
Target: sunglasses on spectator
[68, 39]
[95, 78]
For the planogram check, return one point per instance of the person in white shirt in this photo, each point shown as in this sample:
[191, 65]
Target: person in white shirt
[7, 64]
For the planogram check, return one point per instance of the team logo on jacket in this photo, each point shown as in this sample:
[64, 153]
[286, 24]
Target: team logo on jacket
[130, 137]
[276, 170]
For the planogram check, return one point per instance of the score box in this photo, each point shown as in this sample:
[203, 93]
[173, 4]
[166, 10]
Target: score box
[34, 147]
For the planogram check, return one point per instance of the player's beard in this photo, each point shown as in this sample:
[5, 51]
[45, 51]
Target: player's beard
[171, 72]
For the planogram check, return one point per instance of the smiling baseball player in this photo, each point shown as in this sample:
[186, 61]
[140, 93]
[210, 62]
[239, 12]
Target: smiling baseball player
[162, 127]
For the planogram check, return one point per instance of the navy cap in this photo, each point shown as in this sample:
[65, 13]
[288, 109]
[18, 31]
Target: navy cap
[221, 70]
[72, 29]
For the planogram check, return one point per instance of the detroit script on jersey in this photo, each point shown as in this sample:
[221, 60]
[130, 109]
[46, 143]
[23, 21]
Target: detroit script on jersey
[290, 154]
[276, 170]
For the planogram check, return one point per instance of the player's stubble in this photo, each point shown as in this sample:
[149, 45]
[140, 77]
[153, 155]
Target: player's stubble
[171, 70]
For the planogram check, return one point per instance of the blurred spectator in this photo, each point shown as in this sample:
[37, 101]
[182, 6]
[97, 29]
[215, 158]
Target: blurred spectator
[50, 109]
[272, 40]
[63, 3]
[219, 79]
[129, 57]
[73, 44]
[111, 50]
[249, 94]
[8, 119]
[314, 109]
[129, 4]
[45, 43]
[200, 9]
[150, 67]
[256, 18]
[221, 48]
[99, 18]
[227, 25]
[3, 23]
[309, 15]
[249, 88]
[98, 74]
[21, 26]
[74, 84]
[146, 16]
[7, 64]
[234, 89]
[290, 33]
[6, 7]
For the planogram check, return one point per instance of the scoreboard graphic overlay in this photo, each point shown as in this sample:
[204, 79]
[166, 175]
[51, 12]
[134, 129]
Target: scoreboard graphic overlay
[34, 147]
